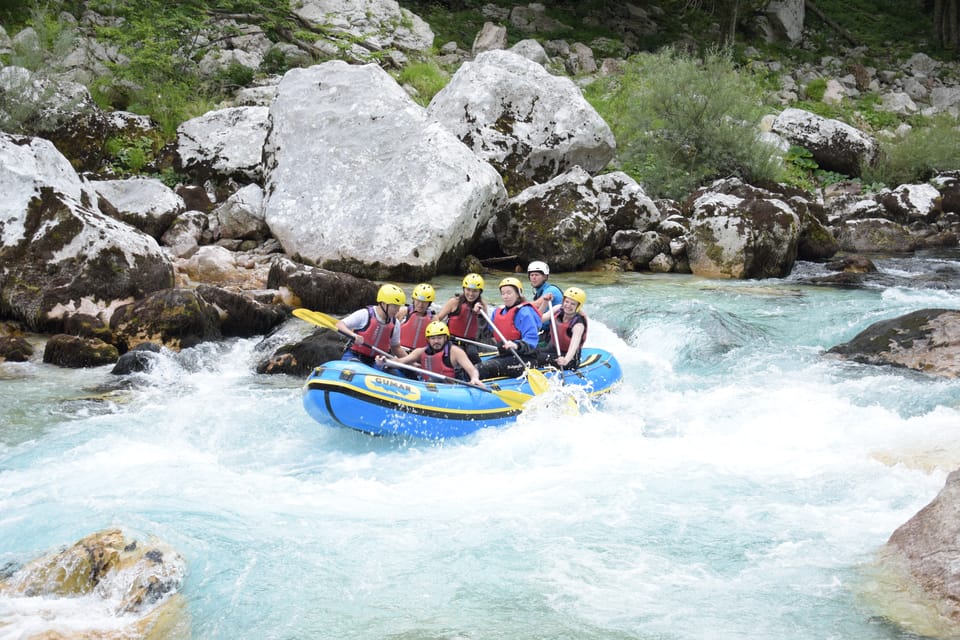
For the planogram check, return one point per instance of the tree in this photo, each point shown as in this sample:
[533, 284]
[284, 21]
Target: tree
[946, 24]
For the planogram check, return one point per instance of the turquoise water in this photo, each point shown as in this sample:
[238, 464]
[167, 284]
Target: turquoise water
[732, 488]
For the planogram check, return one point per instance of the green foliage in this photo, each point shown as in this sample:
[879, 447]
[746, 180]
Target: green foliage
[880, 25]
[815, 89]
[917, 155]
[55, 38]
[802, 171]
[426, 77]
[130, 155]
[680, 121]
[234, 77]
[275, 62]
[864, 113]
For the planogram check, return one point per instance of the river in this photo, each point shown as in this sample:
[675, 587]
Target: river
[734, 486]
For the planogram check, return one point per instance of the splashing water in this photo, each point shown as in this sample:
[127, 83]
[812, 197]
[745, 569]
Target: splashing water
[732, 486]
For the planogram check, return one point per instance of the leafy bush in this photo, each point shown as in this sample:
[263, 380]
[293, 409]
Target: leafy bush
[815, 89]
[917, 155]
[680, 122]
[426, 77]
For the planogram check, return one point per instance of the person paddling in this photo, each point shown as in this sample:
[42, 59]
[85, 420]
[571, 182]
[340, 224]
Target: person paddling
[415, 317]
[518, 323]
[439, 356]
[544, 293]
[374, 326]
[462, 313]
[571, 330]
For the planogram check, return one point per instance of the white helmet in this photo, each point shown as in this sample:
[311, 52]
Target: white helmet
[537, 265]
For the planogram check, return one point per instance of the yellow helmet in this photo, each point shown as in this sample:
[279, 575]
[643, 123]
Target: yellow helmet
[437, 328]
[473, 281]
[391, 294]
[576, 293]
[424, 292]
[513, 282]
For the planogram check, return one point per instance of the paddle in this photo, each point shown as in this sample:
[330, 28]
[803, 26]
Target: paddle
[513, 399]
[553, 325]
[572, 407]
[538, 382]
[473, 342]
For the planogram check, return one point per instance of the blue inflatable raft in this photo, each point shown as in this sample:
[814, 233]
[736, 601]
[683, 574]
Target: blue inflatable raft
[353, 395]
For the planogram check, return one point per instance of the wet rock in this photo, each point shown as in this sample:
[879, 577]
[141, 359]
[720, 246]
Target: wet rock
[15, 349]
[853, 264]
[559, 219]
[116, 575]
[299, 359]
[927, 340]
[240, 315]
[915, 582]
[319, 289]
[60, 254]
[76, 352]
[142, 358]
[176, 318]
[741, 231]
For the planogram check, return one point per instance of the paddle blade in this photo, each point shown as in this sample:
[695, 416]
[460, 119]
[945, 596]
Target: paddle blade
[538, 381]
[514, 399]
[317, 318]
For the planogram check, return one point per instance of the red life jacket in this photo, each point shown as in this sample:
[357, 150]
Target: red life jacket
[503, 320]
[463, 322]
[438, 362]
[375, 334]
[565, 330]
[411, 331]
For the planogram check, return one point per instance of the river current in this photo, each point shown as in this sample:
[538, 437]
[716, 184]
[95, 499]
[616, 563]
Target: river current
[734, 486]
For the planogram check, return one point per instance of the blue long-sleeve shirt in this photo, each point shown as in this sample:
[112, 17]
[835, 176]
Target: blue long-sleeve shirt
[546, 288]
[556, 301]
[527, 321]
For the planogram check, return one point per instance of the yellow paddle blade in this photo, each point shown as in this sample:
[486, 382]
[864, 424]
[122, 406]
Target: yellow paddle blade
[514, 399]
[538, 381]
[317, 318]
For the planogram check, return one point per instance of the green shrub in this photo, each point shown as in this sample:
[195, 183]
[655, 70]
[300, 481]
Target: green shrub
[234, 77]
[680, 122]
[917, 155]
[815, 89]
[426, 77]
[130, 155]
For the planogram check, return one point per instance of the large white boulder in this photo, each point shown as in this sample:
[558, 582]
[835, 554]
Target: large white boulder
[360, 178]
[530, 125]
[378, 24]
[226, 142]
[59, 254]
[835, 145]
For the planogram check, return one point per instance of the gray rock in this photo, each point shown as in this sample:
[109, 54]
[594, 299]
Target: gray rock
[927, 340]
[530, 125]
[224, 143]
[361, 179]
[835, 146]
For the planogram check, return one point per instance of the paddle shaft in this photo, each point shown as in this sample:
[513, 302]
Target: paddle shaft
[410, 367]
[553, 326]
[473, 342]
[503, 340]
[538, 381]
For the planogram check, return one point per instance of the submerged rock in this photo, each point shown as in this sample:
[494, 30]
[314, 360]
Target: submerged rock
[120, 581]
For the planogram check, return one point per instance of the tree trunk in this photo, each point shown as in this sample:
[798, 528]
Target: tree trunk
[946, 24]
